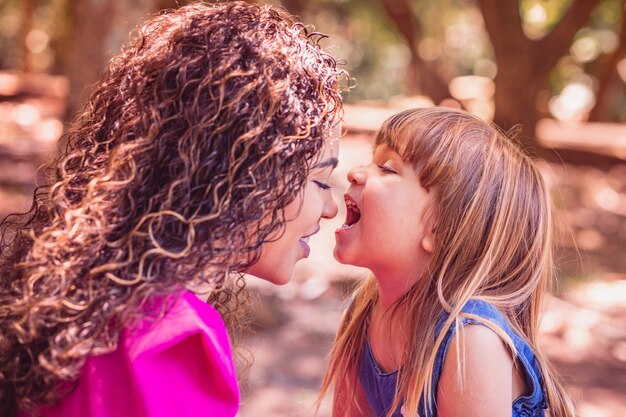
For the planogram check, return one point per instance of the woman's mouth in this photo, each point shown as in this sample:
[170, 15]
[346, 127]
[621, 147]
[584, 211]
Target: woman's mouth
[304, 242]
[353, 214]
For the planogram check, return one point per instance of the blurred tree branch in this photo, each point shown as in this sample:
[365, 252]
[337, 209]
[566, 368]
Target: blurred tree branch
[557, 42]
[609, 76]
[422, 77]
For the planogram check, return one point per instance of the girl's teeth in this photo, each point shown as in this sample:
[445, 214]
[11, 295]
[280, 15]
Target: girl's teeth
[305, 239]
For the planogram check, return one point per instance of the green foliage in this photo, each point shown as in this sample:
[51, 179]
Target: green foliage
[363, 38]
[539, 16]
[451, 37]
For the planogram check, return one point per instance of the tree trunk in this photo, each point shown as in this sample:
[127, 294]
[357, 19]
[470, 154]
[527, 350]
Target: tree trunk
[515, 102]
[523, 64]
[422, 77]
[26, 25]
[99, 28]
[295, 7]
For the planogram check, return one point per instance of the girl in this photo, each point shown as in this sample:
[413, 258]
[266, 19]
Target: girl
[454, 223]
[203, 153]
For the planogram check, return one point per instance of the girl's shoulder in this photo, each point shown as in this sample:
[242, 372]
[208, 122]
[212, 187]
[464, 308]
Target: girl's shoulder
[476, 307]
[477, 311]
[482, 313]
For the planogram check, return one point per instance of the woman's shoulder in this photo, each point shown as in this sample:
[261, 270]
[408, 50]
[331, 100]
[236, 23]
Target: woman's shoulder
[186, 353]
[186, 316]
[176, 365]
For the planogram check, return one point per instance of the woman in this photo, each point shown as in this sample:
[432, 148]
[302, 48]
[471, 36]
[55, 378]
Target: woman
[202, 154]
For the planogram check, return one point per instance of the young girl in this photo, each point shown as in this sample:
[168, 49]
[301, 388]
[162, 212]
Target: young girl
[203, 153]
[454, 223]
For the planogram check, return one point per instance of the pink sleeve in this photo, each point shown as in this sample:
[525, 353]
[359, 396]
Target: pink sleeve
[179, 366]
[182, 366]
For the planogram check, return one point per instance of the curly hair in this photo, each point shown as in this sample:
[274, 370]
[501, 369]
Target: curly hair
[178, 169]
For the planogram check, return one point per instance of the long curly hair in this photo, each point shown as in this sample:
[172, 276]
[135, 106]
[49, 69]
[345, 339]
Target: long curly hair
[178, 169]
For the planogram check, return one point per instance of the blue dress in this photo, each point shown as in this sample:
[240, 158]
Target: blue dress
[379, 387]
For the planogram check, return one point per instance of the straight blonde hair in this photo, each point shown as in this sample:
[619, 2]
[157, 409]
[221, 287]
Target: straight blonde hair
[493, 233]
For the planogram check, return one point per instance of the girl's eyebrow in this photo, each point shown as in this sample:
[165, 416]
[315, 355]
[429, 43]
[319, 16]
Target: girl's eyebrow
[330, 162]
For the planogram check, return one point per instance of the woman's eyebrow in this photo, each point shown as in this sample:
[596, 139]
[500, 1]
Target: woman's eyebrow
[330, 162]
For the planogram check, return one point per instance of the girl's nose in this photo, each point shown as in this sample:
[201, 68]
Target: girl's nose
[356, 176]
[330, 206]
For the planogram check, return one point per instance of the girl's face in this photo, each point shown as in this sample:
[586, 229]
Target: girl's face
[385, 227]
[278, 258]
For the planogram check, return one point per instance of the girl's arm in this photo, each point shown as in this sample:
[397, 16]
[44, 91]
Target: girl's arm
[343, 407]
[477, 376]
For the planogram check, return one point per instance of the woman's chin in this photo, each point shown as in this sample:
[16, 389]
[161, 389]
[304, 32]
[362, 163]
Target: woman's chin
[276, 276]
[280, 280]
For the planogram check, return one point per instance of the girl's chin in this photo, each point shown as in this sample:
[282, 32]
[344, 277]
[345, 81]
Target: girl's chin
[343, 256]
[343, 242]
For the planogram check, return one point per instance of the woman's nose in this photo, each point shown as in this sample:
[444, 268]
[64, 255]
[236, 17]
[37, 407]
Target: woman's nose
[330, 206]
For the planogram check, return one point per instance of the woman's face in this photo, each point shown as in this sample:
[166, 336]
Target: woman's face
[278, 257]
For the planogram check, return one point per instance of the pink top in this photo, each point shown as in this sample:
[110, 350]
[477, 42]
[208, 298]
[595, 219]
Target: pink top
[180, 366]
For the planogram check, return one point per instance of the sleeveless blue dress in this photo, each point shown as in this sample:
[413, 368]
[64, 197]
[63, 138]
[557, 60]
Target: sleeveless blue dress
[379, 387]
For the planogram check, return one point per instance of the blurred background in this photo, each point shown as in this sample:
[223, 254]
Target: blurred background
[558, 67]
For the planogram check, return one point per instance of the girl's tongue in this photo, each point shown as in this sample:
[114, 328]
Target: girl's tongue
[353, 214]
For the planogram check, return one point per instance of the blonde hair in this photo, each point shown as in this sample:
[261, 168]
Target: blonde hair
[493, 234]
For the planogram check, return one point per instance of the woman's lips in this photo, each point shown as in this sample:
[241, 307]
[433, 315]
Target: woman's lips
[304, 242]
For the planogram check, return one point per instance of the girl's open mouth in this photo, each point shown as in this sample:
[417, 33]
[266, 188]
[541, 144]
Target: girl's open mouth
[353, 214]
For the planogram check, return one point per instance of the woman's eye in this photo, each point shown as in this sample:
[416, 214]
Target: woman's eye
[322, 185]
[386, 169]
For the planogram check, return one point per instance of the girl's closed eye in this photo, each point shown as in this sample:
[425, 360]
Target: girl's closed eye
[322, 185]
[387, 169]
